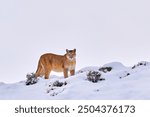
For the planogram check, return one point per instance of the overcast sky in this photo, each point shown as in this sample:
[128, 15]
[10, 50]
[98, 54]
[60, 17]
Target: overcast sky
[102, 31]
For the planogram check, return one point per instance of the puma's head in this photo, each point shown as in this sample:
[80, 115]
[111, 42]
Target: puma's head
[71, 54]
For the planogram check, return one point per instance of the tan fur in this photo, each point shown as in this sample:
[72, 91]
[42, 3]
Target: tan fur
[58, 63]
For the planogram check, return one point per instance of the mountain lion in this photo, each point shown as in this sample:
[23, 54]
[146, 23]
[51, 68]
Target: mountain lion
[58, 63]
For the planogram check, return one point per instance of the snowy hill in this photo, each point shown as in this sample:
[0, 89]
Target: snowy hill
[115, 81]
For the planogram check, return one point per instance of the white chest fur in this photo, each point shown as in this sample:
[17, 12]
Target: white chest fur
[70, 65]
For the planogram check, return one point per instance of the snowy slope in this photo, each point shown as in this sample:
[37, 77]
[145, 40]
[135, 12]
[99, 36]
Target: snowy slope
[120, 83]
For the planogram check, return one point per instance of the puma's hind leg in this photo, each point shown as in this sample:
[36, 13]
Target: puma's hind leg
[47, 72]
[40, 71]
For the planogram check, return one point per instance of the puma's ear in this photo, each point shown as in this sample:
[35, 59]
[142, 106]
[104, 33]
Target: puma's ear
[67, 50]
[75, 50]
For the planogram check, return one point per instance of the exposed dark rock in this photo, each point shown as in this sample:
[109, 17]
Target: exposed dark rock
[105, 69]
[94, 76]
[59, 84]
[30, 79]
[127, 74]
[143, 63]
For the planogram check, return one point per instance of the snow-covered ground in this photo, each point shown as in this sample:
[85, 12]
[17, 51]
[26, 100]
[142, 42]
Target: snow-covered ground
[127, 83]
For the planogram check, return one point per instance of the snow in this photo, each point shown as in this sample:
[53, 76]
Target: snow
[121, 83]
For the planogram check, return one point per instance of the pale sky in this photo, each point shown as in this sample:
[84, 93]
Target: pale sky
[102, 31]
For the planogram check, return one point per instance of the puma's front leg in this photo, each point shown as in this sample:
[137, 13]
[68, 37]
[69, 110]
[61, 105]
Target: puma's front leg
[72, 72]
[65, 73]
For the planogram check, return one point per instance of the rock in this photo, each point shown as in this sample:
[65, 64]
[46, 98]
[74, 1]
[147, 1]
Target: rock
[94, 76]
[30, 79]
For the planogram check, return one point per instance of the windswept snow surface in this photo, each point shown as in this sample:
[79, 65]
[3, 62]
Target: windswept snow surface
[121, 83]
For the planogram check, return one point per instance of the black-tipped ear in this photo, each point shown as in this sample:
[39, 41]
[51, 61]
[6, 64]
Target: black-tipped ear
[67, 50]
[74, 50]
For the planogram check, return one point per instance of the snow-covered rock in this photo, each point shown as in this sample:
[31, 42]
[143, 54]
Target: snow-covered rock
[115, 66]
[120, 83]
